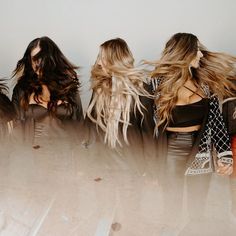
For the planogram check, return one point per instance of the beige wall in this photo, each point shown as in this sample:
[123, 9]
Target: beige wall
[79, 26]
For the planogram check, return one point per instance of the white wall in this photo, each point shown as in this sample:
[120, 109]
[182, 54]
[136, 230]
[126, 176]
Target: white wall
[79, 26]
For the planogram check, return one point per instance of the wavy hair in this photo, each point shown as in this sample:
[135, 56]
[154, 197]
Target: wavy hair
[55, 71]
[7, 112]
[216, 70]
[117, 86]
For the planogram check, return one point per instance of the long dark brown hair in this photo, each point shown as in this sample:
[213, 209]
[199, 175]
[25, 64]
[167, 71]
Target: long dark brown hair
[55, 71]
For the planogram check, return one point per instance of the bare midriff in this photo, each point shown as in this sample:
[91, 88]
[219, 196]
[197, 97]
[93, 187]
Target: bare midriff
[184, 129]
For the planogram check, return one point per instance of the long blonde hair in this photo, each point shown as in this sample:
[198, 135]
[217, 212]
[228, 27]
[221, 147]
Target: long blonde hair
[216, 70]
[116, 86]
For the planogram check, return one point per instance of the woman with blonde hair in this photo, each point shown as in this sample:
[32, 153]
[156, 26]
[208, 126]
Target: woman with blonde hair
[188, 81]
[120, 95]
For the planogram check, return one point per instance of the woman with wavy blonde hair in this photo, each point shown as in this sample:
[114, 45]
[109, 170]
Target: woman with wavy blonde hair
[188, 81]
[118, 93]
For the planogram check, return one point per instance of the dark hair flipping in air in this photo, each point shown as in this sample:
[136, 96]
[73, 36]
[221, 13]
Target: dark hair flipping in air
[55, 71]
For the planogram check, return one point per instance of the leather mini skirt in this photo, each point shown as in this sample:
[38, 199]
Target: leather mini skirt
[180, 143]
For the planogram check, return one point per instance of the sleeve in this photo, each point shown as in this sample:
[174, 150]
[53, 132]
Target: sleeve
[147, 121]
[155, 83]
[7, 111]
[220, 136]
[23, 130]
[225, 113]
[229, 114]
[88, 121]
[16, 97]
[74, 125]
[7, 115]
[90, 134]
[78, 109]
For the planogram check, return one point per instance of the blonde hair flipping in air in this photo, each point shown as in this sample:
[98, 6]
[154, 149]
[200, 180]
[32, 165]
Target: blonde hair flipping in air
[117, 87]
[216, 71]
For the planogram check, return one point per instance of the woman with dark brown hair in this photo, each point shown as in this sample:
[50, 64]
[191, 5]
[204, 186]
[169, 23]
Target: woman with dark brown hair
[47, 89]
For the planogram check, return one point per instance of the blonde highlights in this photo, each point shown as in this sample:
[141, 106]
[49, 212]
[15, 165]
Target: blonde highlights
[117, 87]
[216, 70]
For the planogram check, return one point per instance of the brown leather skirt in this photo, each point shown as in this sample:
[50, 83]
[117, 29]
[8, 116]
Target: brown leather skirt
[180, 143]
[179, 147]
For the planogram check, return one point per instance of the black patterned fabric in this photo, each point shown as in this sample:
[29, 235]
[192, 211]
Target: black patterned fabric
[213, 135]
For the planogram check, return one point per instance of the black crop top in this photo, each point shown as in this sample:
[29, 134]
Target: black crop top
[39, 112]
[64, 111]
[189, 115]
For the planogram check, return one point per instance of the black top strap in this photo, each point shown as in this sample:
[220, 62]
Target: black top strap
[193, 91]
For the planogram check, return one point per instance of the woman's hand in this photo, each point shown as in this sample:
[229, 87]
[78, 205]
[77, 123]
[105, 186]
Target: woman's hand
[224, 169]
